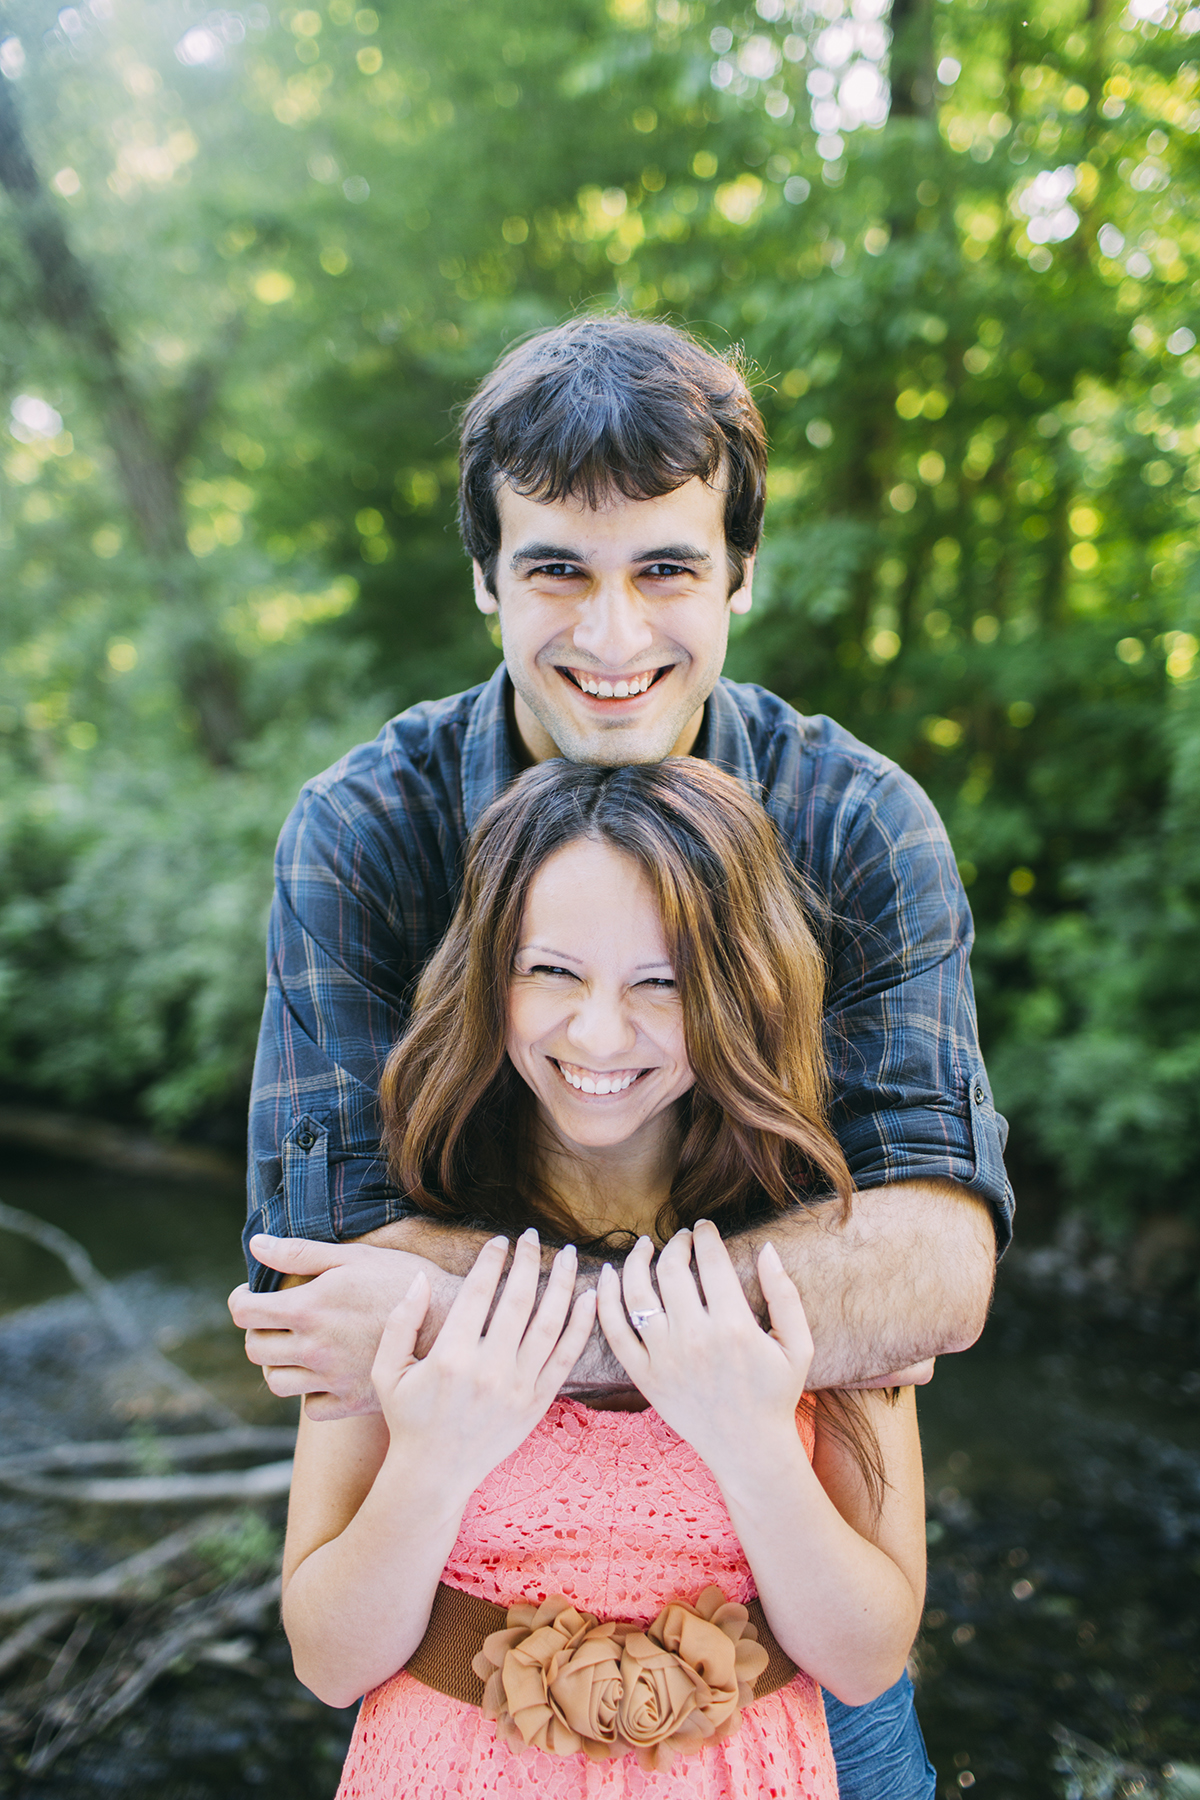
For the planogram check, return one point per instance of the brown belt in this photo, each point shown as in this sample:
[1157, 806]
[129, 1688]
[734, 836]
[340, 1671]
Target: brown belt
[460, 1622]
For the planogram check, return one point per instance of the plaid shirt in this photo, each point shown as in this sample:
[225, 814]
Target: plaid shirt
[367, 875]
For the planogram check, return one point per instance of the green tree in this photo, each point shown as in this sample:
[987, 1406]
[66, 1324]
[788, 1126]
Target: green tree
[958, 246]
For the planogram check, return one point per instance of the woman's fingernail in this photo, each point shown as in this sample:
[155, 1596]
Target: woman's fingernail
[568, 1253]
[492, 1242]
[530, 1236]
[772, 1255]
[416, 1282]
[607, 1272]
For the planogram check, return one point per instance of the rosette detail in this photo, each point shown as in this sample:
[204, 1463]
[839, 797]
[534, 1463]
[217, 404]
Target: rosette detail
[560, 1680]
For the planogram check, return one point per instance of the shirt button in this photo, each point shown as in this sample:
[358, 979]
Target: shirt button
[306, 1139]
[980, 1097]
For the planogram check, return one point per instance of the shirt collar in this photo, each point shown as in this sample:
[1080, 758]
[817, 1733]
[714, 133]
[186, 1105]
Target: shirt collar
[489, 766]
[488, 763]
[724, 739]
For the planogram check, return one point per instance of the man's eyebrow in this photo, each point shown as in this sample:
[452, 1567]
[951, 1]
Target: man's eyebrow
[539, 553]
[680, 553]
[536, 553]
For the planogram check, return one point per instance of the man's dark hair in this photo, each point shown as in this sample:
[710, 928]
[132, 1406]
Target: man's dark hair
[611, 404]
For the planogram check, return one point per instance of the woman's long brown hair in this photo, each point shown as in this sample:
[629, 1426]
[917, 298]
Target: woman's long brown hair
[754, 1138]
[458, 1121]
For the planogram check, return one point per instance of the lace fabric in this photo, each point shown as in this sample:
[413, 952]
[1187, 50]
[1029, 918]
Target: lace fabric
[616, 1511]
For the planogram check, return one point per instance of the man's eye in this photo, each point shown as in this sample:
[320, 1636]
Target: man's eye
[665, 571]
[557, 571]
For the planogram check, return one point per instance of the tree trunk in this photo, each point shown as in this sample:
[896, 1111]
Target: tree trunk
[912, 71]
[147, 467]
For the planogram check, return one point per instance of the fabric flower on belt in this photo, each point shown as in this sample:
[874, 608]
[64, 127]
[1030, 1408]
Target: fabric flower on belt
[716, 1661]
[552, 1681]
[559, 1680]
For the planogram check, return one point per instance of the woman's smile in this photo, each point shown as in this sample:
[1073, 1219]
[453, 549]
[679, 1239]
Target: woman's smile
[593, 1081]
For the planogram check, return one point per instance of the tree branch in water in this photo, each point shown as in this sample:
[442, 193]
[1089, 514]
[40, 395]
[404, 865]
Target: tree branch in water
[113, 1311]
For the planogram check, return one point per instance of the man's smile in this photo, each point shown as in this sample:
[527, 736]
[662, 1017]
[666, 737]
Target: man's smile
[613, 687]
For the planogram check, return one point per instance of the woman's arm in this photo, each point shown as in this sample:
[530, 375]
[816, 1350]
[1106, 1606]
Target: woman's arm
[842, 1588]
[377, 1501]
[366, 1543]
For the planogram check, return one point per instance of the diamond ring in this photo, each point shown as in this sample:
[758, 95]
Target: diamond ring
[638, 1319]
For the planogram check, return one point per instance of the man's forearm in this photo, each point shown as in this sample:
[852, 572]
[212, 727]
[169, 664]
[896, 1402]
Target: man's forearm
[906, 1277]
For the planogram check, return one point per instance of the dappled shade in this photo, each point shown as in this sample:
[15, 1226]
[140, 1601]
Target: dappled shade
[252, 262]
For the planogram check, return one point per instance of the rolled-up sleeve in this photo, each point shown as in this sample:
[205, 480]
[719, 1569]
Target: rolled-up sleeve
[912, 1099]
[910, 1095]
[340, 961]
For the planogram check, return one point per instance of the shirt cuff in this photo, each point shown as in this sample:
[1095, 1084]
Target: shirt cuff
[928, 1143]
[308, 1192]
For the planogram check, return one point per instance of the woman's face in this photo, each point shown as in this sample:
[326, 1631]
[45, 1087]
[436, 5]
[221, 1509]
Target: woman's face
[595, 1022]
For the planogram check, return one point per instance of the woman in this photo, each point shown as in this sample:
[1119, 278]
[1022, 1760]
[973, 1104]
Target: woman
[618, 1041]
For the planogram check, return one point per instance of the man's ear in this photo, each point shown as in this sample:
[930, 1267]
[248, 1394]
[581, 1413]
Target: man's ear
[740, 599]
[485, 600]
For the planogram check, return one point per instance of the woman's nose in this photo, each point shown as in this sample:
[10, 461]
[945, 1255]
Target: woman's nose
[602, 1028]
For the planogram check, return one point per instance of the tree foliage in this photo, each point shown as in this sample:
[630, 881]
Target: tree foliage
[249, 263]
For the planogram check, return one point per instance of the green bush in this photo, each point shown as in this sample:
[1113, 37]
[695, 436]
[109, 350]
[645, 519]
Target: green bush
[969, 328]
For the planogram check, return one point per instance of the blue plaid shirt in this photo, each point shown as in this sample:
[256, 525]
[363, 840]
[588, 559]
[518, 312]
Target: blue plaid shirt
[367, 876]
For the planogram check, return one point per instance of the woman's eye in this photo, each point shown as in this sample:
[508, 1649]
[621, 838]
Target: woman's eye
[662, 984]
[548, 969]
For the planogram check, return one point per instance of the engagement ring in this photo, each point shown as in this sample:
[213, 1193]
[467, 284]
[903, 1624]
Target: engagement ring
[638, 1319]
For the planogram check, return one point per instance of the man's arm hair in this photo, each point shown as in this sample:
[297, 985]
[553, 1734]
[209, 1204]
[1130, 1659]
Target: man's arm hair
[906, 1276]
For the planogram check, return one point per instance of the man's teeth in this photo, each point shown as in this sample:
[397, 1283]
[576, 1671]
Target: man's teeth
[615, 690]
[598, 1084]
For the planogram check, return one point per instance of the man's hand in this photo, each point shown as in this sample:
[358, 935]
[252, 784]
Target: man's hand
[320, 1338]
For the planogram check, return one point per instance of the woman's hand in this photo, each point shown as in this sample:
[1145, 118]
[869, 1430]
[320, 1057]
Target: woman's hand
[703, 1361]
[479, 1393]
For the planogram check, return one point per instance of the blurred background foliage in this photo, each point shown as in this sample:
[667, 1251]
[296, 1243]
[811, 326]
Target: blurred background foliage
[249, 263]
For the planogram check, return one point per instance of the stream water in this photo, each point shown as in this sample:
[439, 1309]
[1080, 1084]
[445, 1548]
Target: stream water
[1063, 1466]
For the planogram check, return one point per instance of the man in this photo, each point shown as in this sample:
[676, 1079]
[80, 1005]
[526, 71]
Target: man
[612, 482]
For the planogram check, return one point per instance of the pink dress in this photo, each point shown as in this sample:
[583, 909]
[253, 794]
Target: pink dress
[616, 1511]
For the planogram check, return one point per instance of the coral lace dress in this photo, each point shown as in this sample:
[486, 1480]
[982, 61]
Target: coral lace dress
[616, 1511]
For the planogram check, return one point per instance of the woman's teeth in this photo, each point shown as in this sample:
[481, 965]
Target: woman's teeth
[588, 1083]
[615, 690]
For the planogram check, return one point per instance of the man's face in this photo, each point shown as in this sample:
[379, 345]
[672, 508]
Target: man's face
[614, 621]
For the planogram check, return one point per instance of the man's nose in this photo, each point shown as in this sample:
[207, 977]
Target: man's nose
[614, 628]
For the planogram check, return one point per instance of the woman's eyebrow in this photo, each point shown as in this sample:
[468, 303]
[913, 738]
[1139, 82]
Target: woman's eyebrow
[564, 956]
